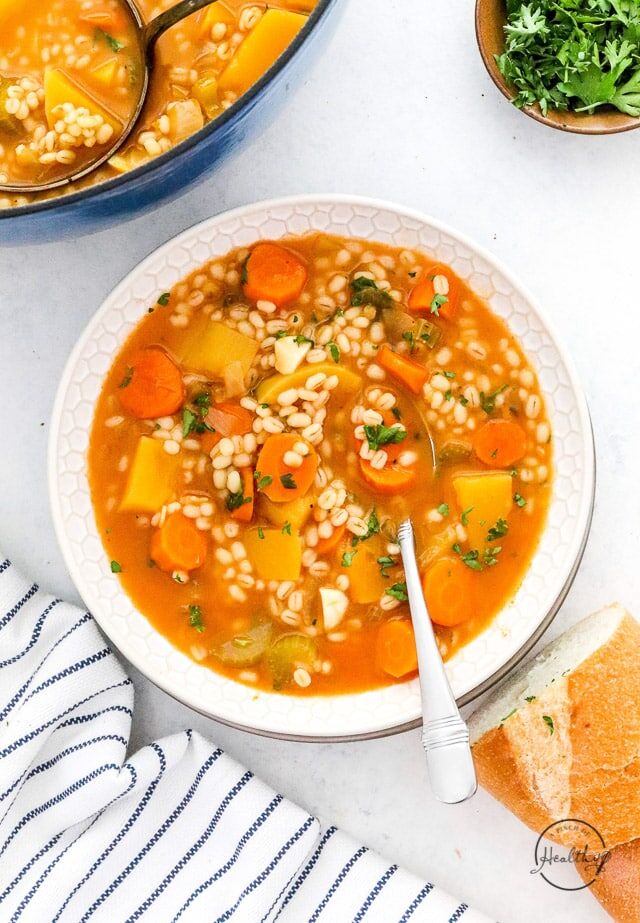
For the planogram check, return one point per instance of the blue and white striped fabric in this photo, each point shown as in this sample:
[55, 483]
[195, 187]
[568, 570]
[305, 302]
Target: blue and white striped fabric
[178, 831]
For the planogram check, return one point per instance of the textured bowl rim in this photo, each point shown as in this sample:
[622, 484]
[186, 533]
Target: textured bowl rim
[235, 111]
[583, 515]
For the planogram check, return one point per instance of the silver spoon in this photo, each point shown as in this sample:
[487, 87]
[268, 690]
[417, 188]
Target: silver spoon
[148, 35]
[445, 736]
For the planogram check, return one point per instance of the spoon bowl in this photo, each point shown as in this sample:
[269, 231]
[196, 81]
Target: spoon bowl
[491, 17]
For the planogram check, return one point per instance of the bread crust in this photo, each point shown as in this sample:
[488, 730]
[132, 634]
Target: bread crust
[617, 887]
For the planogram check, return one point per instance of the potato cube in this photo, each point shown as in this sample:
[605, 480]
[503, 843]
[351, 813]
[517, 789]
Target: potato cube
[151, 477]
[275, 556]
[265, 43]
[488, 497]
[212, 346]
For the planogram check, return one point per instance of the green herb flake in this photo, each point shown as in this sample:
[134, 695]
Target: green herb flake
[500, 529]
[396, 412]
[287, 481]
[235, 500]
[163, 300]
[436, 303]
[126, 381]
[347, 558]
[286, 529]
[519, 500]
[260, 533]
[384, 563]
[365, 292]
[464, 517]
[373, 527]
[378, 435]
[300, 338]
[397, 591]
[116, 567]
[548, 720]
[195, 618]
[506, 717]
[488, 401]
[530, 698]
[262, 482]
[113, 43]
[443, 509]
[463, 400]
[449, 375]
[334, 351]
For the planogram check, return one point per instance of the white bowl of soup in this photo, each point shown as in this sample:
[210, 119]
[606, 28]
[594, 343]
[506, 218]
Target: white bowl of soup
[251, 413]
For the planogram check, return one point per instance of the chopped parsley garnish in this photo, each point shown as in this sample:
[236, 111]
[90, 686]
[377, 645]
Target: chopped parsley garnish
[396, 412]
[334, 351]
[347, 558]
[398, 591]
[286, 529]
[260, 532]
[448, 395]
[436, 303]
[287, 481]
[470, 558]
[449, 375]
[373, 527]
[378, 435]
[443, 509]
[384, 563]
[530, 698]
[126, 381]
[365, 291]
[193, 420]
[500, 529]
[490, 555]
[262, 482]
[564, 54]
[464, 518]
[463, 400]
[488, 401]
[176, 576]
[235, 500]
[300, 338]
[506, 717]
[519, 500]
[113, 43]
[116, 567]
[548, 720]
[195, 618]
[282, 333]
[203, 402]
[163, 300]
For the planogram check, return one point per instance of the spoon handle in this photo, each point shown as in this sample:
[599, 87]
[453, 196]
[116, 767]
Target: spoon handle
[445, 736]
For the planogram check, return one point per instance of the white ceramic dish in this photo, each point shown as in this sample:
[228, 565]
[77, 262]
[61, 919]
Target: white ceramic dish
[471, 670]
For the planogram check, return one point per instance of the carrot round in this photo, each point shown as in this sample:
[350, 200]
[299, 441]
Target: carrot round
[286, 483]
[500, 443]
[230, 419]
[409, 373]
[178, 545]
[389, 480]
[422, 295]
[396, 648]
[274, 273]
[152, 385]
[447, 587]
[244, 513]
[326, 545]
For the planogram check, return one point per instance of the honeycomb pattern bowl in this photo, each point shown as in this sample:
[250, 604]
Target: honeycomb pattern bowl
[474, 668]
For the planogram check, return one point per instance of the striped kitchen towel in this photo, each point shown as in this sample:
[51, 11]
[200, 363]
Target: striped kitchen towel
[177, 831]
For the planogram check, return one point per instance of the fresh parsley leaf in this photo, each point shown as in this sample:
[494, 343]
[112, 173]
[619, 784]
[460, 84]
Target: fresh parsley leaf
[548, 720]
[195, 618]
[365, 291]
[373, 527]
[300, 339]
[286, 529]
[396, 412]
[282, 333]
[163, 300]
[378, 435]
[471, 559]
[235, 500]
[189, 421]
[463, 400]
[436, 303]
[500, 529]
[262, 482]
[347, 558]
[398, 591]
[506, 717]
[126, 381]
[116, 567]
[464, 517]
[519, 500]
[490, 556]
[530, 698]
[384, 563]
[449, 375]
[287, 481]
[443, 509]
[334, 351]
[260, 532]
[488, 401]
[113, 43]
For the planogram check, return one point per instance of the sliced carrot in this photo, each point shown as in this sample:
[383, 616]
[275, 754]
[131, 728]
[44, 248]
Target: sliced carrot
[230, 419]
[421, 298]
[178, 544]
[103, 19]
[274, 274]
[448, 588]
[286, 483]
[152, 385]
[409, 373]
[500, 443]
[209, 441]
[390, 480]
[326, 545]
[396, 648]
[244, 513]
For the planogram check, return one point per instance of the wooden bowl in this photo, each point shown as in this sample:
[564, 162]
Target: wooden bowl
[490, 21]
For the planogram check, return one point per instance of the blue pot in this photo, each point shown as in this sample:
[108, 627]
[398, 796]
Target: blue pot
[164, 177]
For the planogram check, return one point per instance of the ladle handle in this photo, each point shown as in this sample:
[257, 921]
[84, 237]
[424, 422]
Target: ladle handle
[158, 26]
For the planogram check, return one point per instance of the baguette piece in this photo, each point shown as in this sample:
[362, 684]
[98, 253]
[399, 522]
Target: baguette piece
[561, 737]
[617, 887]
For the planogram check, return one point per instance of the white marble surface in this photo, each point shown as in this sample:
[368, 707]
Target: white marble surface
[399, 107]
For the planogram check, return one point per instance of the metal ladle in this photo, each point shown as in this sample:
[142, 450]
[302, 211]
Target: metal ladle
[148, 35]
